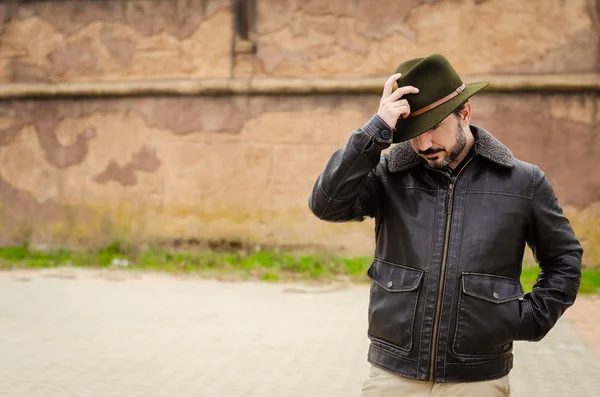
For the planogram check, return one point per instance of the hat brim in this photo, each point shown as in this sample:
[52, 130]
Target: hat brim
[412, 127]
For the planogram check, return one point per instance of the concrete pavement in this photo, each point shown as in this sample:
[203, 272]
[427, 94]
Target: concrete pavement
[91, 333]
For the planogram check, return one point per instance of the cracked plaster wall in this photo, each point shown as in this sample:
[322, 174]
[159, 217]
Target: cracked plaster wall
[80, 172]
[64, 40]
[114, 40]
[358, 38]
[143, 169]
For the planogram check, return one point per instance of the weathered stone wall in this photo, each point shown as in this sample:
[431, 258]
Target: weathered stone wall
[240, 168]
[64, 40]
[370, 37]
[144, 169]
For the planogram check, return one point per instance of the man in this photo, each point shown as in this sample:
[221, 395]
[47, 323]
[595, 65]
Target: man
[453, 211]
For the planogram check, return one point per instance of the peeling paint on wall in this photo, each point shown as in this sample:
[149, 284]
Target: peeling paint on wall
[109, 167]
[152, 168]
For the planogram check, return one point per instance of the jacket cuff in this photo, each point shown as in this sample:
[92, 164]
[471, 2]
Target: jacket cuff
[379, 130]
[526, 322]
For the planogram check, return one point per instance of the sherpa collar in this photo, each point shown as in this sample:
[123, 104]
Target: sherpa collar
[402, 156]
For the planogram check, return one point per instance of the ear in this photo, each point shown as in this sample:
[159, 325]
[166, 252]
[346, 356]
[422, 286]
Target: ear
[465, 115]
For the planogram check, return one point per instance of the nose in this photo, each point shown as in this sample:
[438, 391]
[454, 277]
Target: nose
[424, 141]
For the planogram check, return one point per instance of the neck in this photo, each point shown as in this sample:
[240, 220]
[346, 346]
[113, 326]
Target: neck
[466, 149]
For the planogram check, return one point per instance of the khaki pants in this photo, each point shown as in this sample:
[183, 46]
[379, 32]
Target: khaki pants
[385, 384]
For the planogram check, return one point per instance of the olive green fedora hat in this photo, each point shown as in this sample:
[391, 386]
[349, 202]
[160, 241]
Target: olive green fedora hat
[441, 90]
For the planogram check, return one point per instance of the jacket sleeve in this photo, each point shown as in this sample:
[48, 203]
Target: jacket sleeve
[558, 254]
[347, 189]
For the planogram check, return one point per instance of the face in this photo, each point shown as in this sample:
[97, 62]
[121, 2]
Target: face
[442, 144]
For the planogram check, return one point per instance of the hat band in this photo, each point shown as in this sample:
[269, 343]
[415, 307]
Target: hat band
[438, 102]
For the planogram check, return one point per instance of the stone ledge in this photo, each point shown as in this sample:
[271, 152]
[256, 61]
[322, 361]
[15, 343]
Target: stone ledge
[284, 86]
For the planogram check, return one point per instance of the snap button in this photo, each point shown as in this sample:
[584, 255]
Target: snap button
[495, 295]
[389, 284]
[385, 134]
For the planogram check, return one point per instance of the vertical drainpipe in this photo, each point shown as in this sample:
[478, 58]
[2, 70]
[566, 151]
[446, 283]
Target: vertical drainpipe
[243, 18]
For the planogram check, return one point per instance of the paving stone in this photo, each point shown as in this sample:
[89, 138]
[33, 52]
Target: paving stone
[152, 335]
[584, 316]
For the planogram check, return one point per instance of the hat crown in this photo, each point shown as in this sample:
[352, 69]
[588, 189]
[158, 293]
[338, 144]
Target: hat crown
[434, 76]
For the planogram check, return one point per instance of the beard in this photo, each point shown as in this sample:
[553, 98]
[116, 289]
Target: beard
[449, 156]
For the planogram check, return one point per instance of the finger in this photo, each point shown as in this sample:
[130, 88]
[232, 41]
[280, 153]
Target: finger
[409, 89]
[402, 111]
[403, 106]
[387, 88]
[400, 103]
[405, 113]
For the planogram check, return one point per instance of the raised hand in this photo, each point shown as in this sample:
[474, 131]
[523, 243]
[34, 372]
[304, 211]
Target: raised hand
[391, 107]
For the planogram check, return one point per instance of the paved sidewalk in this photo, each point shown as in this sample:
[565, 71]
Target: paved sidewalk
[89, 333]
[584, 316]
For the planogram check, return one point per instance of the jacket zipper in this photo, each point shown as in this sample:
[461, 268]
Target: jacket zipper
[449, 209]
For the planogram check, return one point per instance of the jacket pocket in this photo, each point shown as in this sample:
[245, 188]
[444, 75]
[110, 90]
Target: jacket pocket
[487, 320]
[393, 303]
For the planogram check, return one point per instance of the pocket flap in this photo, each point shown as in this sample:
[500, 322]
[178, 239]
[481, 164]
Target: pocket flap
[395, 278]
[495, 289]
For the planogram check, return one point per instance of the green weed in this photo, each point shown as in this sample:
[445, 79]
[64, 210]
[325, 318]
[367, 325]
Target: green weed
[262, 265]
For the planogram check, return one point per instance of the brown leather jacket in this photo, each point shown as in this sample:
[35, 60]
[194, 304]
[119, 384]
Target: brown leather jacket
[446, 302]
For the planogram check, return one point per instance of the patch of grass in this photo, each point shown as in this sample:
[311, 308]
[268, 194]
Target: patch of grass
[270, 276]
[9, 256]
[528, 277]
[261, 265]
[590, 280]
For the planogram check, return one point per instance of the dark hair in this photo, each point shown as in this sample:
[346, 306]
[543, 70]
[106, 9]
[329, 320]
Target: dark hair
[459, 108]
